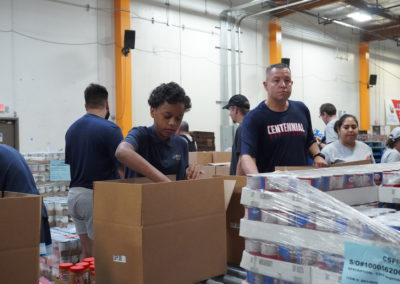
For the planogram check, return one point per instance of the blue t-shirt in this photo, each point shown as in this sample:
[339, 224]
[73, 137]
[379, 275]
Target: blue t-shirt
[169, 157]
[277, 138]
[90, 145]
[15, 174]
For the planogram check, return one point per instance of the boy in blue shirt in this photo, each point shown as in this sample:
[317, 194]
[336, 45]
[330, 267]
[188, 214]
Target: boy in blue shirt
[157, 151]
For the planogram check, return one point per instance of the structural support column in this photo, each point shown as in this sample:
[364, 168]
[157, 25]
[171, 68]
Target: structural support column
[275, 42]
[364, 86]
[123, 75]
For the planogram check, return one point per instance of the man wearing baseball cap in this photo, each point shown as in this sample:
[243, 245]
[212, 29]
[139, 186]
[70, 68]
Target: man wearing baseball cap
[238, 107]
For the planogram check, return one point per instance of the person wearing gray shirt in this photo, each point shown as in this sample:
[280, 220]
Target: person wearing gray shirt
[327, 112]
[347, 148]
[392, 152]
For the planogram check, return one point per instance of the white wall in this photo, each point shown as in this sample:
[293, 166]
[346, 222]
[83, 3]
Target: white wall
[165, 52]
[51, 55]
[325, 65]
[385, 63]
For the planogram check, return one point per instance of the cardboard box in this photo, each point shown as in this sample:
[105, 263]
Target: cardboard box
[221, 157]
[20, 237]
[200, 158]
[222, 169]
[170, 233]
[209, 171]
[235, 212]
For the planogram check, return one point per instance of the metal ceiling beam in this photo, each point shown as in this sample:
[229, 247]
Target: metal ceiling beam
[393, 32]
[372, 10]
[308, 6]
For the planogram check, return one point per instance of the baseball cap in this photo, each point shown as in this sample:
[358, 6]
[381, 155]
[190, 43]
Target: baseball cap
[238, 101]
[395, 134]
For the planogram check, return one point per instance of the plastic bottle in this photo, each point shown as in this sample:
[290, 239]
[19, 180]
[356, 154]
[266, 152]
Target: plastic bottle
[76, 274]
[86, 272]
[63, 271]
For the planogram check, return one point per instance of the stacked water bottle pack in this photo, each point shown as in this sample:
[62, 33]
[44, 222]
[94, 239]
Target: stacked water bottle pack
[295, 233]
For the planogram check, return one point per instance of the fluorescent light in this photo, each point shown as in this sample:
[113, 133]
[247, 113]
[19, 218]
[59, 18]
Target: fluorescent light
[359, 17]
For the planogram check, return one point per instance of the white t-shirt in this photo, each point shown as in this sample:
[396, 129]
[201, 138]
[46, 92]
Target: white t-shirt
[336, 153]
[330, 133]
[390, 156]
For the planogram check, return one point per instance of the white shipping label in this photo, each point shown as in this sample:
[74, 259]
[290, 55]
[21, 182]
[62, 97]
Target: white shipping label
[119, 258]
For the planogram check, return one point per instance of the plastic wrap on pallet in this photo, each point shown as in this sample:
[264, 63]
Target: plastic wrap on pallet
[288, 221]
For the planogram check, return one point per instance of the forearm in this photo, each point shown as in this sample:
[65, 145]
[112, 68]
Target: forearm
[248, 164]
[314, 149]
[239, 169]
[131, 159]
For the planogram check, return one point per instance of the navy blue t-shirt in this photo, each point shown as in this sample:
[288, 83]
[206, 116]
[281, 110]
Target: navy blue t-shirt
[277, 138]
[169, 157]
[90, 145]
[15, 174]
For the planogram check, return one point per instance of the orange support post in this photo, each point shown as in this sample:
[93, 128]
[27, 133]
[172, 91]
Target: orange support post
[123, 75]
[364, 87]
[275, 42]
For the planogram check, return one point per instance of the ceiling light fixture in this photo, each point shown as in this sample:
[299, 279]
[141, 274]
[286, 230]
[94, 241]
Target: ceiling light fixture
[360, 17]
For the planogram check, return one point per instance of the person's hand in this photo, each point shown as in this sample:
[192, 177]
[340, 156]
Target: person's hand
[319, 162]
[193, 172]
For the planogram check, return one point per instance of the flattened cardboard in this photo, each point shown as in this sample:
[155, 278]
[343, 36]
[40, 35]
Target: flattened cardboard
[20, 237]
[168, 233]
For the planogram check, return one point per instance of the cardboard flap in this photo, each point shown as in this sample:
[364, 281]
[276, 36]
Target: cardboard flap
[117, 201]
[229, 186]
[182, 200]
[20, 221]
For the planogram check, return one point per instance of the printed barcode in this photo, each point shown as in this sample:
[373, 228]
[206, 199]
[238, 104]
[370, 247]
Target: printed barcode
[265, 262]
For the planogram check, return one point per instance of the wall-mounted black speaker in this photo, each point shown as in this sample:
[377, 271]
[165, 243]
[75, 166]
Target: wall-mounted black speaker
[286, 61]
[372, 79]
[129, 42]
[129, 39]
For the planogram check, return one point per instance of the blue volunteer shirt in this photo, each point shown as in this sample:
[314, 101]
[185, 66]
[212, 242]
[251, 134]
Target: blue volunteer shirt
[90, 145]
[15, 174]
[277, 138]
[169, 157]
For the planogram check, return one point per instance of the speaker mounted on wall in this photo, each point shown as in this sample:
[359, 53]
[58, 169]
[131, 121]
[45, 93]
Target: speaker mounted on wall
[286, 61]
[372, 80]
[129, 41]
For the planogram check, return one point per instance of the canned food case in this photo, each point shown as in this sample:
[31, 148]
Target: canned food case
[297, 233]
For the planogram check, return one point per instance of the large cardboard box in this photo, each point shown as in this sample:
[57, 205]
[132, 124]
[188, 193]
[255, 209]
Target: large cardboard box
[151, 233]
[20, 216]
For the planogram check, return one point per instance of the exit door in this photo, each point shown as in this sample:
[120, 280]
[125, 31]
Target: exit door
[9, 132]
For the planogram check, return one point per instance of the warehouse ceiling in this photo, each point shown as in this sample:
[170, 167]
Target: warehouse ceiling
[383, 22]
